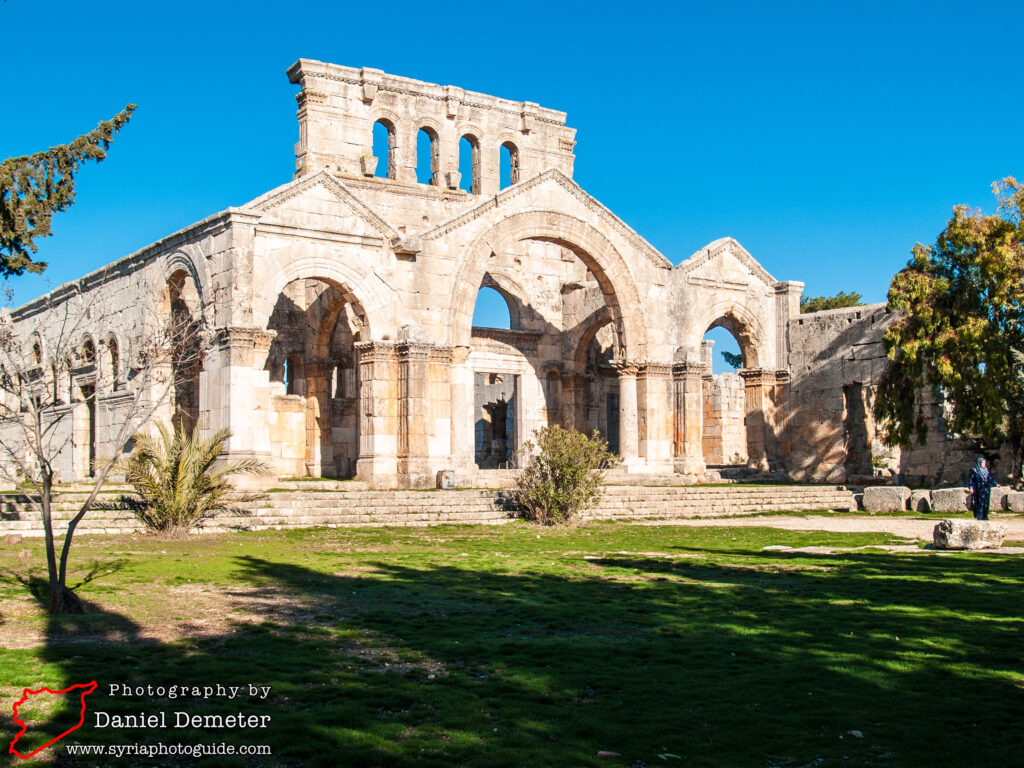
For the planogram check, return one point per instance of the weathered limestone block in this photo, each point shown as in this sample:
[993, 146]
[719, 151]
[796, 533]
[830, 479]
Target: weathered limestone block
[968, 534]
[1015, 501]
[921, 501]
[998, 498]
[885, 498]
[951, 500]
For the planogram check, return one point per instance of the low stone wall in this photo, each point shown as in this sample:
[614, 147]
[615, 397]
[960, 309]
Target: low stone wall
[895, 498]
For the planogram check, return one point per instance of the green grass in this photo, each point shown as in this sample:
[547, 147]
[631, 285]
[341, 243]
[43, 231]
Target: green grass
[516, 646]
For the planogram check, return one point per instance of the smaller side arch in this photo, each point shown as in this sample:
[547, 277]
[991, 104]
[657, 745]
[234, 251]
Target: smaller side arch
[743, 323]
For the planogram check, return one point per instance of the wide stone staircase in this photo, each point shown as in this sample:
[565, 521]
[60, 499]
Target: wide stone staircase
[303, 504]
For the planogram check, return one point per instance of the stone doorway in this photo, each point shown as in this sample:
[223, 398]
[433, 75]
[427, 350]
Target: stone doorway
[495, 420]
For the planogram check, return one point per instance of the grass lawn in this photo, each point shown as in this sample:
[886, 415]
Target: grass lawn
[514, 646]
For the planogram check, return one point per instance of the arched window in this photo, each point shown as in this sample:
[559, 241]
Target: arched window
[428, 156]
[469, 163]
[114, 361]
[509, 164]
[491, 310]
[384, 148]
[88, 352]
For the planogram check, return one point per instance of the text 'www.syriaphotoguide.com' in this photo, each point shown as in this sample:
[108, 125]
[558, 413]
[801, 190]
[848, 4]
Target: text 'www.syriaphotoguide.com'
[159, 750]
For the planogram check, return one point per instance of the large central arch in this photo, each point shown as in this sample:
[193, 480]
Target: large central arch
[598, 254]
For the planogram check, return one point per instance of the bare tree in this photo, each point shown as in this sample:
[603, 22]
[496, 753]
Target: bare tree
[39, 376]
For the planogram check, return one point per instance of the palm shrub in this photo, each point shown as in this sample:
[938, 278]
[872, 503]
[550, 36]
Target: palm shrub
[562, 476]
[176, 485]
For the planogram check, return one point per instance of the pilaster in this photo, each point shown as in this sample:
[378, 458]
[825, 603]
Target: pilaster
[654, 410]
[688, 389]
[378, 413]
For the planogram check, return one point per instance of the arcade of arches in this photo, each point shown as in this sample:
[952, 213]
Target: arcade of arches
[340, 312]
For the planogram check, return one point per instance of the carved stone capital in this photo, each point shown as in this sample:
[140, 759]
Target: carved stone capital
[372, 351]
[413, 350]
[689, 370]
[757, 376]
[659, 370]
[238, 337]
[626, 368]
[441, 354]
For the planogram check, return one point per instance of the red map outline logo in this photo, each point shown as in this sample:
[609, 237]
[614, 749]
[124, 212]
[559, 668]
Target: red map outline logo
[87, 688]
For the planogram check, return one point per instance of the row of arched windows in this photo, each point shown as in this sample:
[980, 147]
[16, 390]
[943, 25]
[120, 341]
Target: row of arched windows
[428, 157]
[107, 363]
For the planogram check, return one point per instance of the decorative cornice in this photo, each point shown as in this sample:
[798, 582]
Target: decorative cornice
[328, 235]
[312, 69]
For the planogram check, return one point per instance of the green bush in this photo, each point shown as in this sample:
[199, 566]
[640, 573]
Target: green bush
[176, 484]
[562, 476]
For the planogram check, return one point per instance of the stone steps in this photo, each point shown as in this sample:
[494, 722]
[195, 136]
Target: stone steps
[300, 508]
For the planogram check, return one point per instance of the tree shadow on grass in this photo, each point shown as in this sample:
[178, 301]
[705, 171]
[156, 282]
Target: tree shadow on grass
[724, 665]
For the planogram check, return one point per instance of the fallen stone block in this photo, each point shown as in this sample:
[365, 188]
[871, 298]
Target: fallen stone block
[921, 501]
[968, 534]
[951, 500]
[1015, 501]
[886, 498]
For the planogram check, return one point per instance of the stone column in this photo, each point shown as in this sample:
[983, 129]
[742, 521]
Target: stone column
[378, 413]
[413, 412]
[629, 448]
[654, 408]
[688, 386]
[759, 385]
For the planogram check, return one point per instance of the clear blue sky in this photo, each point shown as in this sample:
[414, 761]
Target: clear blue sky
[826, 137]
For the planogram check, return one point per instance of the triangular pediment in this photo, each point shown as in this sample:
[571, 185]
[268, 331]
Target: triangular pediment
[320, 202]
[725, 259]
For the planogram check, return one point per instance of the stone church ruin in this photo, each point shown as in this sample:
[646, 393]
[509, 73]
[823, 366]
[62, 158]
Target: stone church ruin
[340, 308]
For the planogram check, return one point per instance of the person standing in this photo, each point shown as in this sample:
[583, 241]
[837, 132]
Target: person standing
[980, 481]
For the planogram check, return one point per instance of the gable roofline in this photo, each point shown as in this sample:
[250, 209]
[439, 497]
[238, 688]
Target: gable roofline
[280, 195]
[722, 245]
[559, 177]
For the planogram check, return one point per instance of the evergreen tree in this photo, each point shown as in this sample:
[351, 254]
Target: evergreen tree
[34, 187]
